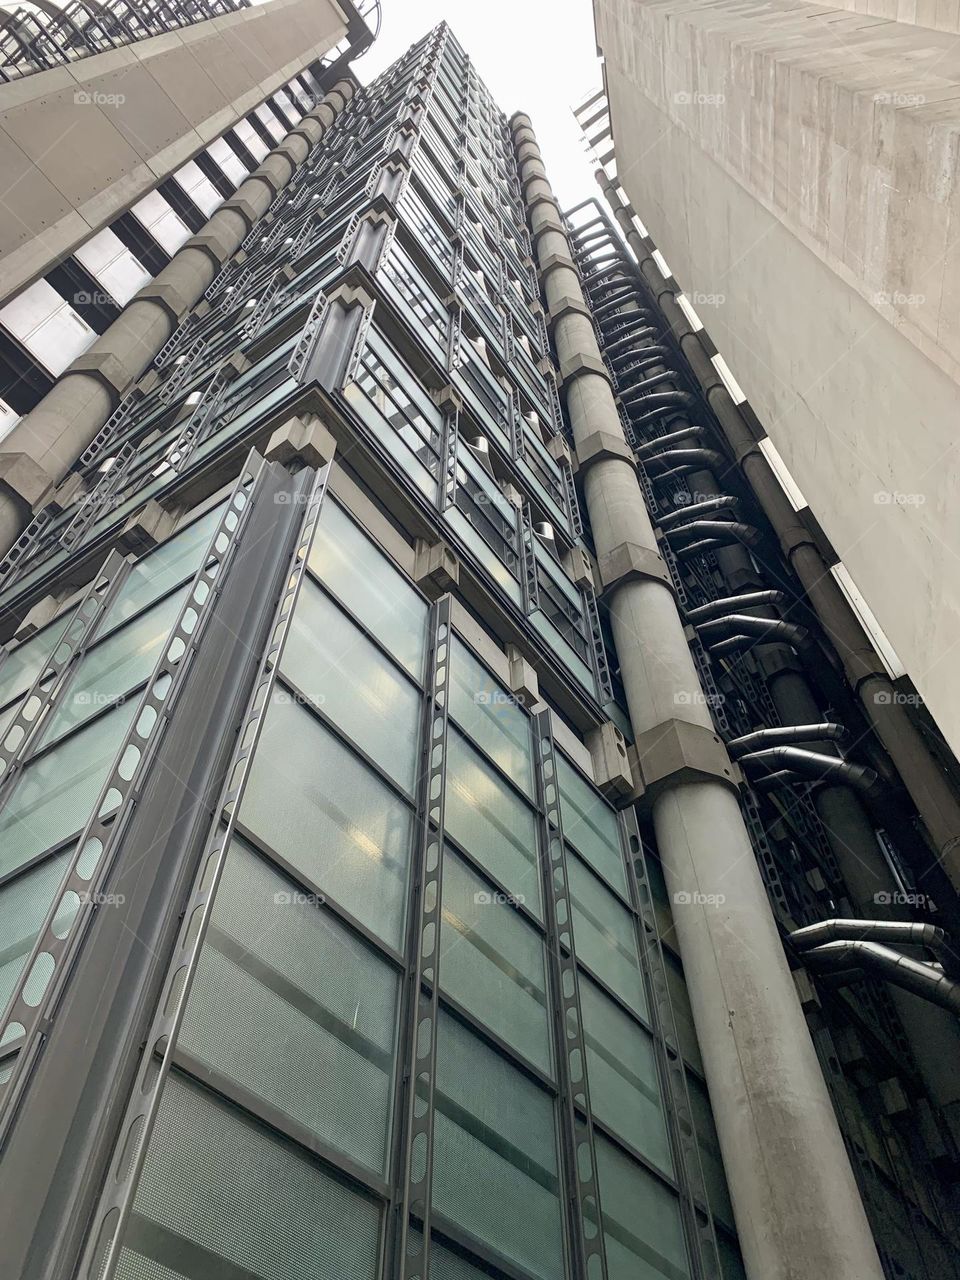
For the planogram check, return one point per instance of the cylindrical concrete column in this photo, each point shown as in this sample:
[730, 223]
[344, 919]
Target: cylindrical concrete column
[796, 1202]
[42, 448]
[926, 782]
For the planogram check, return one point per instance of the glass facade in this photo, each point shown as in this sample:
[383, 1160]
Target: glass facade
[407, 1007]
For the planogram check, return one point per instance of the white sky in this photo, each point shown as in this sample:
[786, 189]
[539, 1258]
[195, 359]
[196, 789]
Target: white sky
[536, 56]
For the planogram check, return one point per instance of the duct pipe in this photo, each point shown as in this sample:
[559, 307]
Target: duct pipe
[902, 933]
[763, 629]
[922, 776]
[796, 1202]
[749, 599]
[43, 446]
[922, 979]
[813, 765]
[785, 736]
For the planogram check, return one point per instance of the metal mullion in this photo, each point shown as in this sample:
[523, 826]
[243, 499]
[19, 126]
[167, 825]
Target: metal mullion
[259, 1109]
[421, 998]
[304, 700]
[585, 1223]
[103, 1245]
[299, 876]
[696, 1215]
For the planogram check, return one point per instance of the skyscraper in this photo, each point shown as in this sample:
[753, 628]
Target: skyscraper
[393, 796]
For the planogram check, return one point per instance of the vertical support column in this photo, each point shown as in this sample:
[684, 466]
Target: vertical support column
[580, 1163]
[796, 1201]
[422, 997]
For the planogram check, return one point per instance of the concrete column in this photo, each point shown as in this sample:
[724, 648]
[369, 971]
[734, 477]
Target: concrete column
[42, 448]
[928, 786]
[796, 1202]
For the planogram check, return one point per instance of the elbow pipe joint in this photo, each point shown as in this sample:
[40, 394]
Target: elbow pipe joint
[785, 735]
[815, 767]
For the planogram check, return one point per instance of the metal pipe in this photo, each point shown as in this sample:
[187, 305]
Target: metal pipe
[795, 1198]
[813, 764]
[922, 775]
[748, 600]
[761, 628]
[724, 530]
[726, 502]
[911, 975]
[652, 447]
[902, 933]
[682, 457]
[785, 736]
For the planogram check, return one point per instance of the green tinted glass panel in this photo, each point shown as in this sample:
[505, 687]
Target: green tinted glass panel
[491, 717]
[491, 821]
[24, 904]
[57, 792]
[641, 1220]
[604, 935]
[622, 1070]
[591, 826]
[368, 584]
[164, 567]
[342, 672]
[315, 802]
[296, 1009]
[492, 961]
[112, 668]
[711, 1160]
[495, 1163]
[222, 1196]
[22, 666]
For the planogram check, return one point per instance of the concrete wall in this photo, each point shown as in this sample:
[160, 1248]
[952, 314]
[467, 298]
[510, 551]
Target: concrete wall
[816, 229]
[79, 144]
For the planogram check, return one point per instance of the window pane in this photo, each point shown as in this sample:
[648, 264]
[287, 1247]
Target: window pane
[111, 669]
[343, 672]
[173, 561]
[490, 715]
[22, 667]
[24, 904]
[222, 1195]
[641, 1220]
[294, 1008]
[604, 935]
[368, 584]
[56, 793]
[590, 826]
[682, 1013]
[491, 960]
[315, 802]
[495, 1163]
[622, 1070]
[491, 823]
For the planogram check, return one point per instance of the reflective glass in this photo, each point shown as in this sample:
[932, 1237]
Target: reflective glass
[24, 904]
[490, 715]
[492, 962]
[641, 1220]
[591, 826]
[57, 792]
[622, 1070]
[344, 674]
[491, 822]
[294, 1008]
[364, 579]
[604, 935]
[222, 1195]
[321, 808]
[495, 1162]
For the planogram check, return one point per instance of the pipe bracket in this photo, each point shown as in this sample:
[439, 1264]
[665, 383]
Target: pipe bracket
[578, 364]
[676, 751]
[601, 446]
[631, 563]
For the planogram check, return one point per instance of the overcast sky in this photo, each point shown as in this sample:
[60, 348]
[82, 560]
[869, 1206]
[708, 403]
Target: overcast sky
[537, 56]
